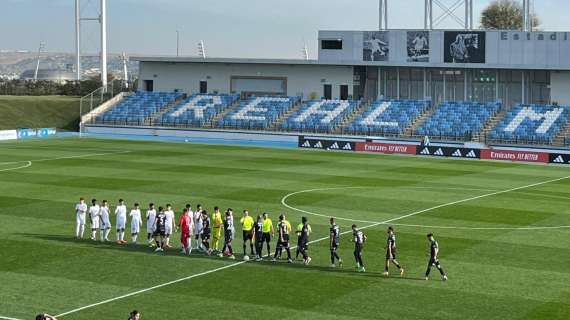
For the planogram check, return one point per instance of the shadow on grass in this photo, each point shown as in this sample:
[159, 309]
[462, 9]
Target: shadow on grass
[175, 252]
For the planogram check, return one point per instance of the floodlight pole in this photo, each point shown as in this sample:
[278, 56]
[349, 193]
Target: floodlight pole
[382, 14]
[77, 40]
[103, 22]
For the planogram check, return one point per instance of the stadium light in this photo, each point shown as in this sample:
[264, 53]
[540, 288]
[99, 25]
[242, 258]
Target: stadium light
[102, 20]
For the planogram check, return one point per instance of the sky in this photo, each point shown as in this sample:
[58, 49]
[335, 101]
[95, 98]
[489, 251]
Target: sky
[229, 28]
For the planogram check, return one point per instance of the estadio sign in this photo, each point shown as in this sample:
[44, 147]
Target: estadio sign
[510, 155]
[8, 135]
[388, 148]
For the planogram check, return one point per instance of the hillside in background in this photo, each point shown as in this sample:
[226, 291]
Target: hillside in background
[18, 62]
[39, 112]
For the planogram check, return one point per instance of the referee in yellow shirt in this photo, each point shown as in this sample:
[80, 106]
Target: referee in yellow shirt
[268, 232]
[217, 230]
[247, 227]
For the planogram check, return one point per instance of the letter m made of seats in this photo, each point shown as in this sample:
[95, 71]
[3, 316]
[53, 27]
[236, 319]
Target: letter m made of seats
[548, 118]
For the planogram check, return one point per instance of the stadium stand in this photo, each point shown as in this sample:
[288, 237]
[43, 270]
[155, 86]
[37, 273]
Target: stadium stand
[320, 115]
[458, 120]
[388, 117]
[258, 112]
[197, 110]
[138, 107]
[531, 124]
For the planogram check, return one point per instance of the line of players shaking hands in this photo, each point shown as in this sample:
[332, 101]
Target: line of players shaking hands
[217, 227]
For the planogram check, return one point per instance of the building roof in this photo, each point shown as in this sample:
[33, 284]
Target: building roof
[190, 59]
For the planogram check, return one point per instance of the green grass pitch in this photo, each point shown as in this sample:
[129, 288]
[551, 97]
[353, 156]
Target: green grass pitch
[508, 273]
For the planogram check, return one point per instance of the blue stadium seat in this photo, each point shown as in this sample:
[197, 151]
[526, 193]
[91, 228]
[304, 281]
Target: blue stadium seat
[320, 115]
[388, 117]
[138, 107]
[197, 109]
[532, 123]
[258, 112]
[458, 119]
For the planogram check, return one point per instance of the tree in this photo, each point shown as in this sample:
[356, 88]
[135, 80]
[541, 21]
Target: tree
[505, 15]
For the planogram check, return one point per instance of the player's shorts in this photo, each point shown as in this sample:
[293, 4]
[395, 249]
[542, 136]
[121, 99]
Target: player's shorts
[388, 257]
[303, 244]
[217, 234]
[228, 236]
[247, 235]
[266, 237]
[135, 228]
[159, 232]
[150, 227]
[80, 219]
[185, 235]
[121, 224]
[168, 230]
[433, 262]
[106, 225]
[334, 246]
[358, 247]
[205, 235]
[283, 244]
[95, 224]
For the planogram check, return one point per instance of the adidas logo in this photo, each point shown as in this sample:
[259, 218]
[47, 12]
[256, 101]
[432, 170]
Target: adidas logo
[347, 147]
[307, 144]
[425, 151]
[438, 152]
[559, 159]
[318, 145]
[457, 153]
[471, 154]
[334, 146]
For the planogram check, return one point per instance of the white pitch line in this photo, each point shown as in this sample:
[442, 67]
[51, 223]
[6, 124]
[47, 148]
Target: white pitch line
[311, 242]
[432, 208]
[27, 165]
[68, 157]
[186, 278]
[8, 318]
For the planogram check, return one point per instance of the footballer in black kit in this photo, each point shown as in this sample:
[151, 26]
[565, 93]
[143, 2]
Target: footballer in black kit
[258, 237]
[359, 239]
[391, 253]
[434, 258]
[334, 243]
[206, 232]
[303, 244]
[160, 229]
[283, 240]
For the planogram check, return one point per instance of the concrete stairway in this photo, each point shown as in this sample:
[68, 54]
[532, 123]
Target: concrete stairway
[214, 122]
[560, 138]
[490, 125]
[409, 131]
[150, 120]
[275, 126]
[358, 111]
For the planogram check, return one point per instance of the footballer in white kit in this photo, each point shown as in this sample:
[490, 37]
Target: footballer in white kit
[136, 222]
[150, 218]
[80, 211]
[121, 213]
[105, 221]
[198, 224]
[94, 216]
[169, 224]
